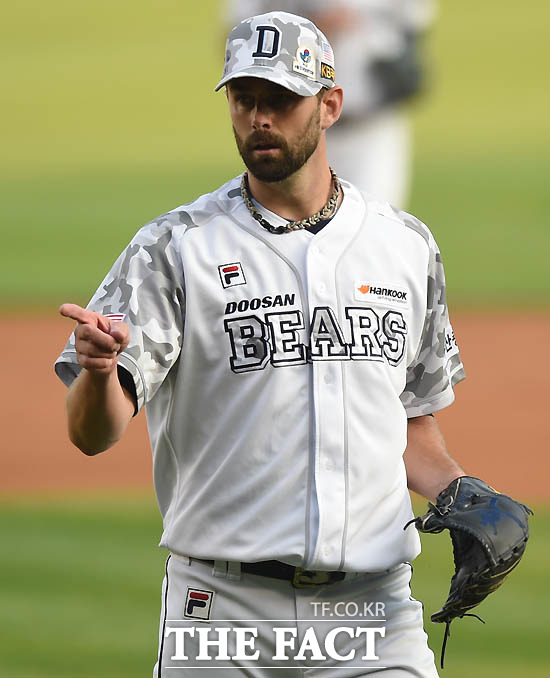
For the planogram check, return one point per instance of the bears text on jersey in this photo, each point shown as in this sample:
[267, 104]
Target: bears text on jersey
[276, 338]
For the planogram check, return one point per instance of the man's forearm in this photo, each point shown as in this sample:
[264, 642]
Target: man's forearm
[98, 411]
[430, 468]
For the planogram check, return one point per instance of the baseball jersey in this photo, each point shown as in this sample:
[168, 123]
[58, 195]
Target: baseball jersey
[278, 373]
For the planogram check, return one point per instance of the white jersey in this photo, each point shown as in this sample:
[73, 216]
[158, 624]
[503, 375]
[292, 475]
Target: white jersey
[278, 372]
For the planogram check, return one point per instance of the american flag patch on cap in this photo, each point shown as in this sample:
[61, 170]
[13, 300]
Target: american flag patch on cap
[328, 55]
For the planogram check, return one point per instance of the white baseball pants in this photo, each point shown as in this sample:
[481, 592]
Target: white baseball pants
[217, 621]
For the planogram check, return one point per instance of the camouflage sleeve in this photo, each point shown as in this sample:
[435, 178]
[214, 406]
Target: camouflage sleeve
[146, 284]
[437, 366]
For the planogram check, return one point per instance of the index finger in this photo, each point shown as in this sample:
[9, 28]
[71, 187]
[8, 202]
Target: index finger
[85, 317]
[81, 315]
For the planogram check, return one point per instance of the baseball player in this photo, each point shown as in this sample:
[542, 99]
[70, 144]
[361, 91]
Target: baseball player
[290, 341]
[380, 67]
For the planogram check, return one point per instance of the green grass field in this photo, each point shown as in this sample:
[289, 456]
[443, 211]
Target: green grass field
[110, 119]
[81, 580]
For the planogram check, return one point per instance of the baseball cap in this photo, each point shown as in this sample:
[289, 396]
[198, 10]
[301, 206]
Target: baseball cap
[281, 47]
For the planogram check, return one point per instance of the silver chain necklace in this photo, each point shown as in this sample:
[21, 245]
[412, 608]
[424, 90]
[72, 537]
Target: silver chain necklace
[323, 213]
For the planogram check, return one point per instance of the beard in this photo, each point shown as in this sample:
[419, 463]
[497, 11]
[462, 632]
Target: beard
[291, 157]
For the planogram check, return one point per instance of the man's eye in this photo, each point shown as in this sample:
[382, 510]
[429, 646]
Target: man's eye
[245, 100]
[282, 101]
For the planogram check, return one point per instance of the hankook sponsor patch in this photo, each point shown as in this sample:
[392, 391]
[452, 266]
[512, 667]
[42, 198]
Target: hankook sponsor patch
[381, 293]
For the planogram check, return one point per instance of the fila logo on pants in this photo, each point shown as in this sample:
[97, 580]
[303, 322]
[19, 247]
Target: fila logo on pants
[198, 603]
[275, 339]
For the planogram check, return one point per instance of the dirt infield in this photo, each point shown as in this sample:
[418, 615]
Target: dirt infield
[496, 427]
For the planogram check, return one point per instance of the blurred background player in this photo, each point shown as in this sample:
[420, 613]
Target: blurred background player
[377, 46]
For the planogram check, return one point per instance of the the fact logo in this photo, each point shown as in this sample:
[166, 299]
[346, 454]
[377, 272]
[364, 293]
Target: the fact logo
[231, 274]
[198, 603]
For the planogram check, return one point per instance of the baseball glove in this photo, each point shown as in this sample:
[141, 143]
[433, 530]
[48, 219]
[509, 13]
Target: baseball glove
[489, 532]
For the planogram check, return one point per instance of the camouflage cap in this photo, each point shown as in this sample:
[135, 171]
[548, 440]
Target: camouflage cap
[283, 48]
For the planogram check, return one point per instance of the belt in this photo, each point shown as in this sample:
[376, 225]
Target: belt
[300, 578]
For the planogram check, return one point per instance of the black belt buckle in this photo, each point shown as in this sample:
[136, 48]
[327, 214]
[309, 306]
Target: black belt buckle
[308, 579]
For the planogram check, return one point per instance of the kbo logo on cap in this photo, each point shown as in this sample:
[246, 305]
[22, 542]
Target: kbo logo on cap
[198, 603]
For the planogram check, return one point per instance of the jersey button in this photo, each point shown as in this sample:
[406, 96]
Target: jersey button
[321, 287]
[327, 379]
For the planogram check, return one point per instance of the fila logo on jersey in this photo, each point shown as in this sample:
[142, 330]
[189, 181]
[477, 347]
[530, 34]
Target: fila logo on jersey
[198, 603]
[231, 275]
[276, 338]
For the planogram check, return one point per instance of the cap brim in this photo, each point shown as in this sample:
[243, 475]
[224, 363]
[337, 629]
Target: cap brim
[293, 82]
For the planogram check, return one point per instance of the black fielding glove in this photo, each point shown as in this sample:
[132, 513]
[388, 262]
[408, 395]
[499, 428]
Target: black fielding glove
[489, 532]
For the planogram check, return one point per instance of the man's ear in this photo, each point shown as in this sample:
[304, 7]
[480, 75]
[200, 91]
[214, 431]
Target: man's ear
[331, 106]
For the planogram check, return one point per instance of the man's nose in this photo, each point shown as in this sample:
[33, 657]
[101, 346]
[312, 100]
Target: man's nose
[262, 114]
